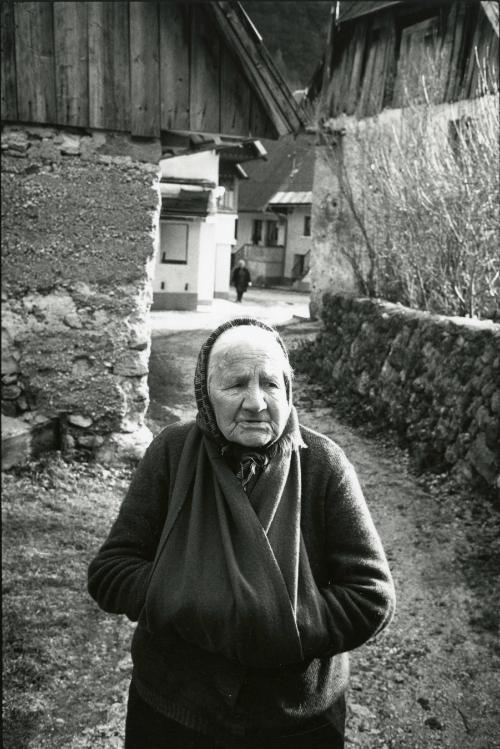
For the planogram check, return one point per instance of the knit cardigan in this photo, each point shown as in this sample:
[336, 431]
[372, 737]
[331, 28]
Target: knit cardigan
[204, 690]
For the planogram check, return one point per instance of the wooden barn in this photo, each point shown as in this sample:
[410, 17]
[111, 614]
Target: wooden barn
[96, 98]
[378, 51]
[383, 61]
[144, 68]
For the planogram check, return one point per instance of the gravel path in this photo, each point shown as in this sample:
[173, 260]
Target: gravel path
[433, 678]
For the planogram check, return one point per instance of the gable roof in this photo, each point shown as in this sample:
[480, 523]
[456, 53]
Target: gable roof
[288, 169]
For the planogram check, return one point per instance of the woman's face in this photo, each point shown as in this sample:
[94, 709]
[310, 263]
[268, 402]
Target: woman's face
[246, 386]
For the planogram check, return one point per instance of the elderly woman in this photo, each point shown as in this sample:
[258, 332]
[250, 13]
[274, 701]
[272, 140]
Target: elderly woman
[246, 552]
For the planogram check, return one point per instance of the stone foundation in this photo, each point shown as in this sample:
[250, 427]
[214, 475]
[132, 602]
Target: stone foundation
[435, 380]
[79, 231]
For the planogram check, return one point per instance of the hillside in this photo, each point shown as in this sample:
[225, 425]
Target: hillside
[294, 33]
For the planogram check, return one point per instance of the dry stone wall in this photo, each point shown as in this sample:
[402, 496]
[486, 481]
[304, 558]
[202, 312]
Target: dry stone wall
[436, 380]
[79, 230]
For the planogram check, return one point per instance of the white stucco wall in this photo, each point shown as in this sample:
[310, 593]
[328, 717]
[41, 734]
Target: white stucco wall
[204, 165]
[206, 260]
[296, 242]
[178, 278]
[224, 243]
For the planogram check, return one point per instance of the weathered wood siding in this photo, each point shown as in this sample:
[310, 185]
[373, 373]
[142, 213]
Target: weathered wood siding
[138, 67]
[379, 60]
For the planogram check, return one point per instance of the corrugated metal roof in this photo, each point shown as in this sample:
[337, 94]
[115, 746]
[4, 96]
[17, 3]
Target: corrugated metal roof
[291, 198]
[289, 168]
[348, 10]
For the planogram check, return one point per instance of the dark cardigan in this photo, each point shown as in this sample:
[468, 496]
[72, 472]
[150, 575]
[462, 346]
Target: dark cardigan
[204, 690]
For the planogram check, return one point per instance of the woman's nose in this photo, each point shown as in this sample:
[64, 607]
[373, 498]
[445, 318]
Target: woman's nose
[254, 399]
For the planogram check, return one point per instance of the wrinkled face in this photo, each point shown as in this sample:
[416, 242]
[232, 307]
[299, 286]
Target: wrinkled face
[246, 386]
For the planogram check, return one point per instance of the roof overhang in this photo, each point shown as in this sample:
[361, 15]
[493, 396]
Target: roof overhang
[230, 148]
[291, 198]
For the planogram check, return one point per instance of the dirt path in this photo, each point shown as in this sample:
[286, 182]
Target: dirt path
[433, 678]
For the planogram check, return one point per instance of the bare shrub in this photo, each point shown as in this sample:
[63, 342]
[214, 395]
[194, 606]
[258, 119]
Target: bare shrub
[419, 203]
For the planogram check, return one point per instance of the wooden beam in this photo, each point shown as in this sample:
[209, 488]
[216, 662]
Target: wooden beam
[174, 65]
[36, 90]
[8, 62]
[282, 113]
[144, 69]
[71, 63]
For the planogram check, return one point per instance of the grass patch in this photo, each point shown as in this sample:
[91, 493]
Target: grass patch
[63, 658]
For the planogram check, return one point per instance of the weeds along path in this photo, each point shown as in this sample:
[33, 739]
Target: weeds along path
[431, 680]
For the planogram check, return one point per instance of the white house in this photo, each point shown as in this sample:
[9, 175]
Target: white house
[199, 189]
[274, 216]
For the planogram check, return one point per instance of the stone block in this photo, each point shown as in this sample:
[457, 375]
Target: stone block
[119, 446]
[72, 320]
[10, 365]
[139, 336]
[90, 440]
[132, 364]
[70, 144]
[15, 140]
[22, 441]
[10, 392]
[484, 460]
[79, 420]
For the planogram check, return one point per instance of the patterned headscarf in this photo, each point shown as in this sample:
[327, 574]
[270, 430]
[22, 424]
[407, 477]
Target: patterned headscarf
[206, 417]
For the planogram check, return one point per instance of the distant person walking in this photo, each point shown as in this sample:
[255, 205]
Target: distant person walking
[240, 279]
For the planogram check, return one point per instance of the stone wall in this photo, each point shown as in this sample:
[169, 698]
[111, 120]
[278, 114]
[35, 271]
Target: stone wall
[436, 380]
[79, 230]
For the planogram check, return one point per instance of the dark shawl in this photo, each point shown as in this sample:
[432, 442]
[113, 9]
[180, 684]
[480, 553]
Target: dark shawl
[232, 561]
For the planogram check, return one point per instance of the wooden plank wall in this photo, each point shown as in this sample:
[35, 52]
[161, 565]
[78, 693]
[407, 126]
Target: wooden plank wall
[139, 67]
[35, 69]
[175, 33]
[71, 62]
[204, 94]
[366, 56]
[8, 54]
[144, 67]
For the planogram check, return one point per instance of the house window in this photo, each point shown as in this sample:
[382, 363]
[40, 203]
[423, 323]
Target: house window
[236, 228]
[307, 226]
[256, 231]
[272, 233]
[174, 242]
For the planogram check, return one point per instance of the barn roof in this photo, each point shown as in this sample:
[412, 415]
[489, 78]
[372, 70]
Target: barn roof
[288, 169]
[349, 10]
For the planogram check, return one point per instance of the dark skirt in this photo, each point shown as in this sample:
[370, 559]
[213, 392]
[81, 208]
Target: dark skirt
[148, 729]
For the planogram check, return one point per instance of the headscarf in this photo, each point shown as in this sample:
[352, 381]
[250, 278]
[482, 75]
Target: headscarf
[206, 417]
